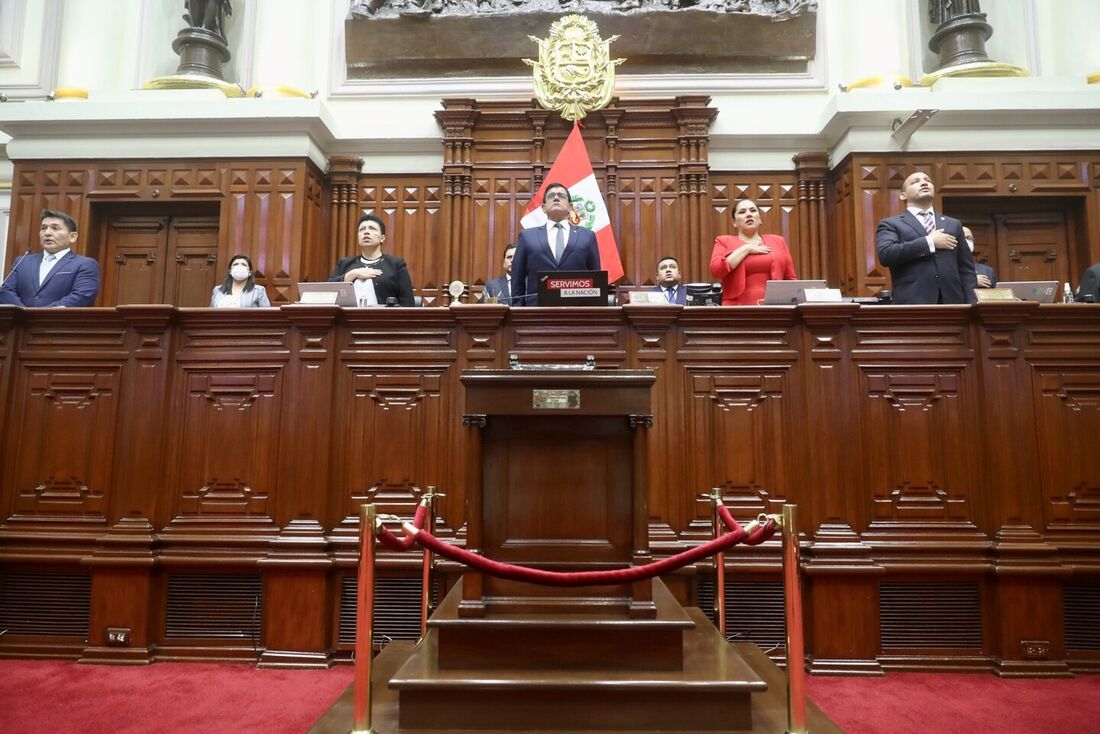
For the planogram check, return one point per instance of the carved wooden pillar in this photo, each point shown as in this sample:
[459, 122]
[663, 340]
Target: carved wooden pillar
[538, 119]
[343, 179]
[812, 223]
[612, 116]
[457, 120]
[694, 118]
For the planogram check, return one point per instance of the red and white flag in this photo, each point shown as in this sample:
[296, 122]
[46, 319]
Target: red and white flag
[573, 169]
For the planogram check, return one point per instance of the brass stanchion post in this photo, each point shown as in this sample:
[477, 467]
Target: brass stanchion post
[796, 644]
[364, 623]
[719, 564]
[426, 570]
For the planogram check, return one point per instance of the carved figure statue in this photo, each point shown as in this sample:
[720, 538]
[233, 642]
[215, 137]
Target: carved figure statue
[941, 11]
[209, 15]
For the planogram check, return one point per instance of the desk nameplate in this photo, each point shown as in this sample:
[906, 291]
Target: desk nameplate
[542, 399]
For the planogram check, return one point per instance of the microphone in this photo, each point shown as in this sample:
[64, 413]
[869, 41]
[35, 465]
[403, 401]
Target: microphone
[15, 267]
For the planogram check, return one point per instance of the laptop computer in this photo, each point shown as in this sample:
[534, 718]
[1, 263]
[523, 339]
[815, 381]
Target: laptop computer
[1042, 291]
[573, 288]
[786, 292]
[336, 294]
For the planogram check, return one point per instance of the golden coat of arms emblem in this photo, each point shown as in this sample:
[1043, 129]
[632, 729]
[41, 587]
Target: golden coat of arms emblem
[575, 73]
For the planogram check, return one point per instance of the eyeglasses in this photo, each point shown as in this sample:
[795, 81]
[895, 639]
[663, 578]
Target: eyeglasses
[557, 195]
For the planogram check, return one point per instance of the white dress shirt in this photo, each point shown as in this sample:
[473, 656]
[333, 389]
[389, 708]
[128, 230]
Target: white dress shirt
[927, 238]
[364, 287]
[48, 264]
[552, 234]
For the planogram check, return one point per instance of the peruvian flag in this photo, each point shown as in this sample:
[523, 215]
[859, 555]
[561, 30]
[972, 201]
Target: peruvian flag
[573, 169]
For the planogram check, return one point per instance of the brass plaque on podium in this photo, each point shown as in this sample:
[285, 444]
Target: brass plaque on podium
[556, 399]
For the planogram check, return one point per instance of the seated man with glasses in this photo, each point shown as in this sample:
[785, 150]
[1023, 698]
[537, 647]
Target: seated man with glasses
[558, 245]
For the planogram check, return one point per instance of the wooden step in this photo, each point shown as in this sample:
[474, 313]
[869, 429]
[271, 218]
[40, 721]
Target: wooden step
[710, 693]
[573, 641]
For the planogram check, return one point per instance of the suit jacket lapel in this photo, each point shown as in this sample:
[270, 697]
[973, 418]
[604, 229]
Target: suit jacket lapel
[914, 224]
[56, 267]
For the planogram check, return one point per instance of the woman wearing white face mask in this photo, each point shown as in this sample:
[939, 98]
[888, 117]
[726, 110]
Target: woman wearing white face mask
[239, 289]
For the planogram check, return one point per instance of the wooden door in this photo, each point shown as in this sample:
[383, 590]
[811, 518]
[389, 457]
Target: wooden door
[136, 248]
[192, 270]
[1033, 246]
[160, 259]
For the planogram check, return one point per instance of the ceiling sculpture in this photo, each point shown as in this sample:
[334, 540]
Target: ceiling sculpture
[464, 38]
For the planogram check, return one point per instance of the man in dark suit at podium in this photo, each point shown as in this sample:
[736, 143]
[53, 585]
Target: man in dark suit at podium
[57, 276]
[501, 288]
[668, 281]
[924, 251]
[557, 245]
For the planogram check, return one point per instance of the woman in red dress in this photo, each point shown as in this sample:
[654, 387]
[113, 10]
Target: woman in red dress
[745, 262]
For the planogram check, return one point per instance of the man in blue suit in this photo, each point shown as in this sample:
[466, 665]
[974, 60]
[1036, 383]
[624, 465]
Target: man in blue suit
[924, 250]
[57, 276]
[501, 288]
[557, 245]
[668, 281]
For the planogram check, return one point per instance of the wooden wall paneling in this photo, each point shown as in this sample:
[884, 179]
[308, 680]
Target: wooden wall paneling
[844, 255]
[651, 222]
[918, 404]
[297, 567]
[228, 402]
[653, 343]
[393, 374]
[122, 562]
[1027, 572]
[741, 378]
[841, 574]
[1061, 351]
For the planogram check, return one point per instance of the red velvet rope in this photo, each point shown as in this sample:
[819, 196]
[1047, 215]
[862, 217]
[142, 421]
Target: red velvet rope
[387, 539]
[592, 578]
[727, 519]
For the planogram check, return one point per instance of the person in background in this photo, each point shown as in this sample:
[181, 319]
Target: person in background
[239, 289]
[57, 277]
[1089, 285]
[921, 248]
[747, 260]
[668, 281]
[986, 277]
[376, 277]
[501, 288]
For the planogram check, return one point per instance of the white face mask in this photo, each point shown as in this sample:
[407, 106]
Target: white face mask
[239, 272]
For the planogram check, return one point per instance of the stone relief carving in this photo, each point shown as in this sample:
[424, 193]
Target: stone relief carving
[775, 9]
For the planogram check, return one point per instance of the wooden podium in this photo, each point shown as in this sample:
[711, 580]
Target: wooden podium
[560, 483]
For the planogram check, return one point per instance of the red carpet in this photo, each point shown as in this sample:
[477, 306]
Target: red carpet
[169, 698]
[165, 698]
[954, 703]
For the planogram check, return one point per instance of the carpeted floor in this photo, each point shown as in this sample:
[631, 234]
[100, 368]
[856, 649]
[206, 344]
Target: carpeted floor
[191, 698]
[954, 703]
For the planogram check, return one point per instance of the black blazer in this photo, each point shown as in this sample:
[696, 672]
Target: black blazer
[919, 276]
[1090, 283]
[394, 282]
[533, 256]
